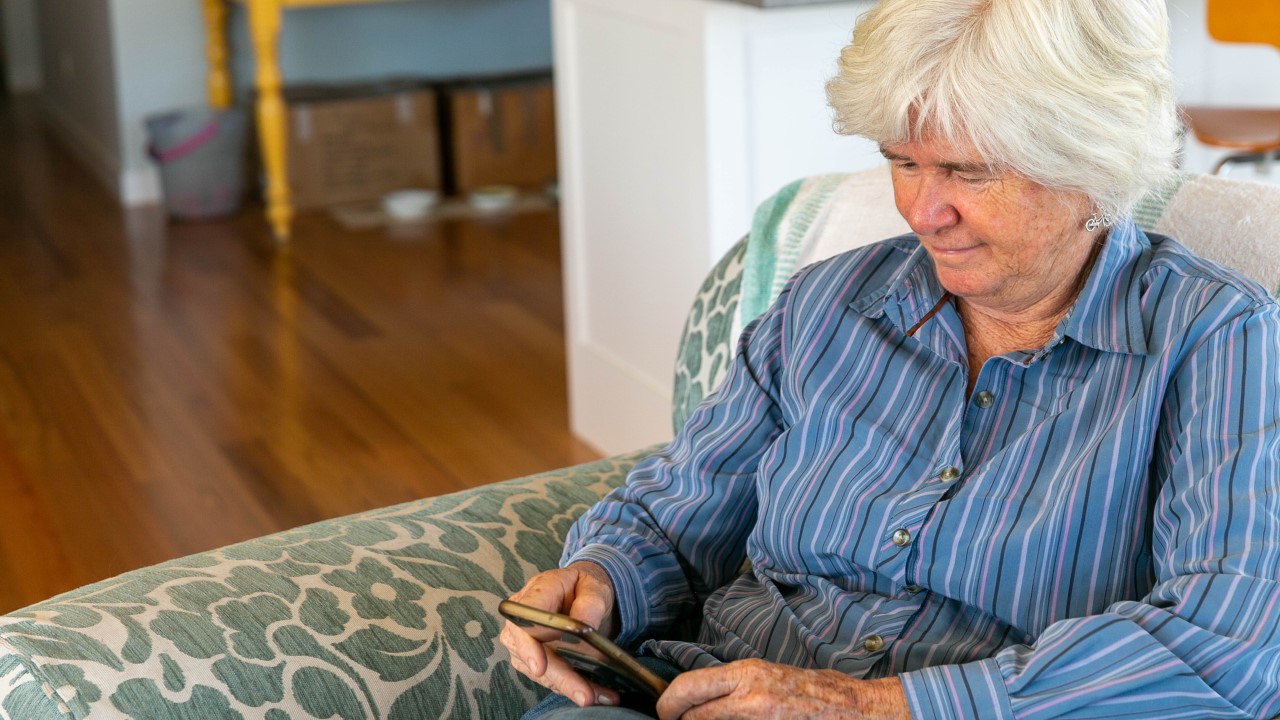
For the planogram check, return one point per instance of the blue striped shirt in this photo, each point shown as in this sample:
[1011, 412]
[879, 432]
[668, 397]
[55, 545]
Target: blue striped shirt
[1093, 533]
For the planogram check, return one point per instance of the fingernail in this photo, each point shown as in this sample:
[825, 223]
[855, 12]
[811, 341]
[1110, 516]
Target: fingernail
[581, 699]
[605, 700]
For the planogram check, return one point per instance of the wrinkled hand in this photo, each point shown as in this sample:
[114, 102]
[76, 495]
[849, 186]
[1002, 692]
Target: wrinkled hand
[582, 591]
[759, 689]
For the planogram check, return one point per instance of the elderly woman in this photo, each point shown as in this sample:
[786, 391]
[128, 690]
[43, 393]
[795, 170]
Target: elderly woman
[1023, 463]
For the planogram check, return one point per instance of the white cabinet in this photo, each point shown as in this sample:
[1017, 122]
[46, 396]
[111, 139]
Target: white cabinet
[675, 118]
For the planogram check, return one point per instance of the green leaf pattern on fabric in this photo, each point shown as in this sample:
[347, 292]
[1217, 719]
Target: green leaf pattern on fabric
[461, 706]
[138, 647]
[72, 686]
[321, 613]
[289, 568]
[192, 634]
[250, 683]
[393, 657]
[429, 697]
[141, 698]
[706, 345]
[248, 621]
[174, 679]
[386, 614]
[324, 695]
[502, 693]
[59, 643]
[77, 617]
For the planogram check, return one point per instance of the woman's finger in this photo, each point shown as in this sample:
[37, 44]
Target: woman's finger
[533, 660]
[523, 647]
[561, 678]
[697, 687]
[592, 601]
[547, 590]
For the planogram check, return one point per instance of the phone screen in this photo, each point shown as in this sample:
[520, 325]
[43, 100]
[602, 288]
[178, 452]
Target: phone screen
[587, 651]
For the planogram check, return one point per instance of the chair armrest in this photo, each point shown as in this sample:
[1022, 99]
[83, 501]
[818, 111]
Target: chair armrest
[390, 613]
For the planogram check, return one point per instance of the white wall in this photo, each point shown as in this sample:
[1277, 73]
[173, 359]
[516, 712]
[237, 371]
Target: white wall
[22, 71]
[788, 125]
[160, 65]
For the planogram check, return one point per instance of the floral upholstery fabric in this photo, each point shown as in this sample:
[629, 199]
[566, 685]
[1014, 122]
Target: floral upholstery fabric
[706, 345]
[386, 614]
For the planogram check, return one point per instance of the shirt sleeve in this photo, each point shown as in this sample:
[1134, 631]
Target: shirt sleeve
[678, 528]
[1205, 643]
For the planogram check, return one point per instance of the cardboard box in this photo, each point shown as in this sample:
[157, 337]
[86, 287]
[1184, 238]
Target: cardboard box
[500, 132]
[358, 142]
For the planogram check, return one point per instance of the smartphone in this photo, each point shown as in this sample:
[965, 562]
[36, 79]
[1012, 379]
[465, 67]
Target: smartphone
[588, 652]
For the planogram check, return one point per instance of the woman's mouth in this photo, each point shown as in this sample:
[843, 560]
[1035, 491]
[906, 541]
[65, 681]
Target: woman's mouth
[952, 251]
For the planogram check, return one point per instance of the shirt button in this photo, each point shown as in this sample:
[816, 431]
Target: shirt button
[901, 537]
[912, 589]
[984, 399]
[874, 643]
[948, 474]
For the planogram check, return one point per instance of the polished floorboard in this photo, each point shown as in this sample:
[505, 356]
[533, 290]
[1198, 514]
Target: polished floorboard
[167, 388]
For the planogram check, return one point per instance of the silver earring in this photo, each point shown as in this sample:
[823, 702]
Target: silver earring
[1100, 218]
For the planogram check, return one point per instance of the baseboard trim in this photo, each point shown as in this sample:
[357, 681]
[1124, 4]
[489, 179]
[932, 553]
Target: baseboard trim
[140, 186]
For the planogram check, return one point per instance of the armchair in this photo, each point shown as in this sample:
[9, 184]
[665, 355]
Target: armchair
[392, 613]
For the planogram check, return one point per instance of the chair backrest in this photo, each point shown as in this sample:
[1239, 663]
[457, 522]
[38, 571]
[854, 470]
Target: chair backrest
[1233, 222]
[1244, 21]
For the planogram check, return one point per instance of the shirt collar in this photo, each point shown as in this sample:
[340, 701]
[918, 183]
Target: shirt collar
[910, 292]
[1106, 316]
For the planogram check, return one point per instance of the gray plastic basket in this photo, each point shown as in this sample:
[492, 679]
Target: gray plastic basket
[200, 152]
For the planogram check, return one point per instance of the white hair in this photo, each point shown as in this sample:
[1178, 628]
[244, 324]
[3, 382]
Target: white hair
[1076, 95]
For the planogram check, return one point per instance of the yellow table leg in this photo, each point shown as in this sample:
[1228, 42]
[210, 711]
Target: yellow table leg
[215, 28]
[264, 27]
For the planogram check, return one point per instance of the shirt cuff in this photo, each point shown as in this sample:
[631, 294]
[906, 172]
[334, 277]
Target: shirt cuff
[972, 691]
[628, 591]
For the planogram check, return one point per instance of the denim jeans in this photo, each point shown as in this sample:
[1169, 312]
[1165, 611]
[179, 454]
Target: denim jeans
[634, 707]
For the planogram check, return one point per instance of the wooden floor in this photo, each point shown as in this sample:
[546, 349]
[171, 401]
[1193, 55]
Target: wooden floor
[166, 389]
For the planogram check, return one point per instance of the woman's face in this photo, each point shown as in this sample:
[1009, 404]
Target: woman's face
[997, 240]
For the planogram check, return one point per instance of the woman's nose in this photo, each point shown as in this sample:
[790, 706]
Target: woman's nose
[927, 207]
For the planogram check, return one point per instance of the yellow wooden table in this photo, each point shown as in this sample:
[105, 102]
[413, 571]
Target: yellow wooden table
[264, 30]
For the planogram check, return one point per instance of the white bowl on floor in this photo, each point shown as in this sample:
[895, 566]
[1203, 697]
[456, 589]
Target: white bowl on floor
[491, 198]
[413, 204]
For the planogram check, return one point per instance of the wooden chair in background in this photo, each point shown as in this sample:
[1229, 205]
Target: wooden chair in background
[1253, 133]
